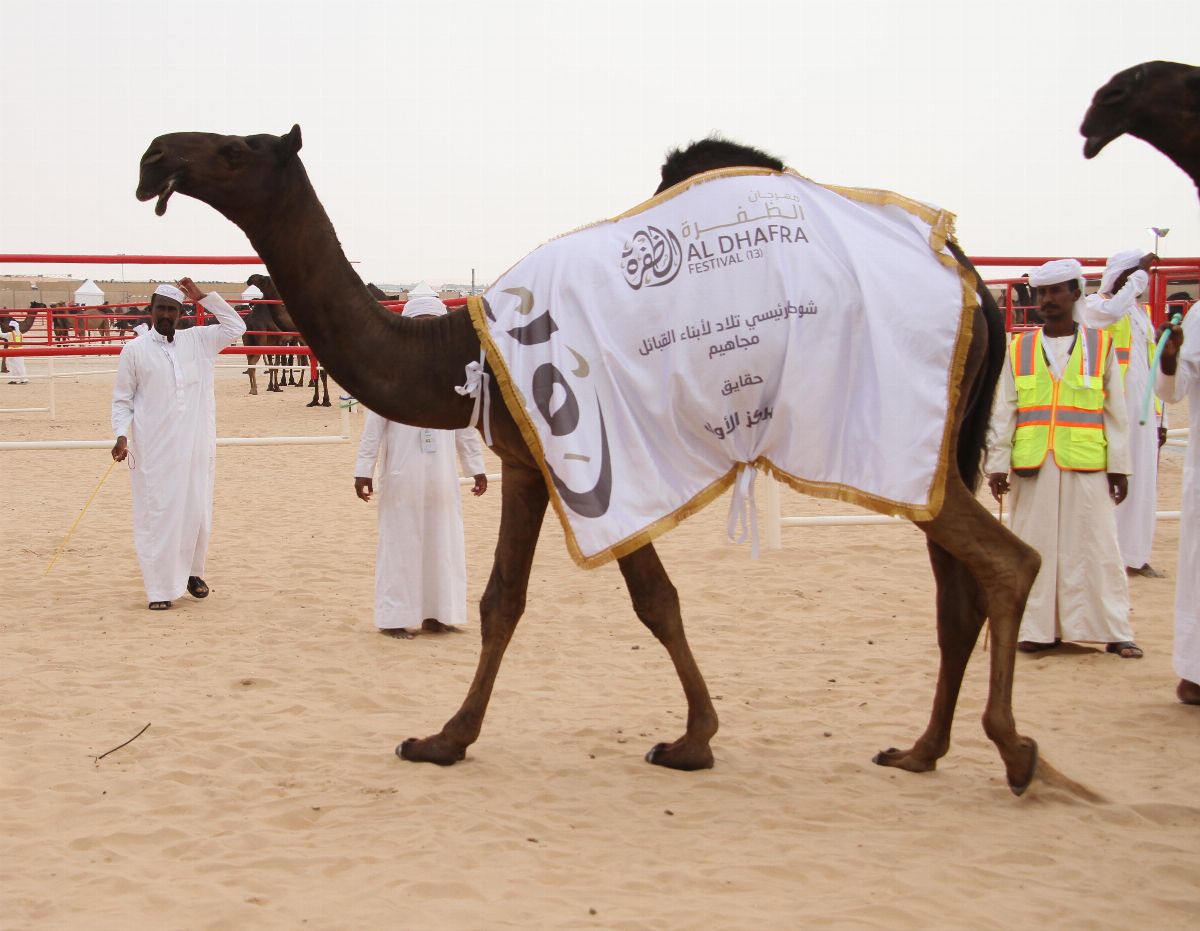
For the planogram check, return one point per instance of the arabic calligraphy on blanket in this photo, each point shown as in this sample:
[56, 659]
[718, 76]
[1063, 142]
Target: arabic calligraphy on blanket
[758, 319]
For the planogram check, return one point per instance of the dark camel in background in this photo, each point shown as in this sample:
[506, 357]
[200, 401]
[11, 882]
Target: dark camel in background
[286, 324]
[379, 294]
[406, 370]
[261, 331]
[1157, 101]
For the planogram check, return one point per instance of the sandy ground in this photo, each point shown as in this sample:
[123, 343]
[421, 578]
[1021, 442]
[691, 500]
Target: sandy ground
[265, 793]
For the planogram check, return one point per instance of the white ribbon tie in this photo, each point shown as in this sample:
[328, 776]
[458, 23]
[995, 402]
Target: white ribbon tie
[477, 387]
[743, 513]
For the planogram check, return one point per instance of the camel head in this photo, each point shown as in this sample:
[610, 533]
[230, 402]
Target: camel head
[235, 175]
[265, 285]
[1153, 101]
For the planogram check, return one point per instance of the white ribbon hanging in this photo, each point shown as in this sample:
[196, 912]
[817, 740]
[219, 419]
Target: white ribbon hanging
[743, 513]
[477, 387]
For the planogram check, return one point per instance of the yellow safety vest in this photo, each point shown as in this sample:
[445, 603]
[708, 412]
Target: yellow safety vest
[1122, 341]
[1063, 417]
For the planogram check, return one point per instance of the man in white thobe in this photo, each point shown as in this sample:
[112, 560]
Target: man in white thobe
[16, 365]
[1114, 307]
[163, 401]
[1178, 377]
[421, 564]
[1081, 592]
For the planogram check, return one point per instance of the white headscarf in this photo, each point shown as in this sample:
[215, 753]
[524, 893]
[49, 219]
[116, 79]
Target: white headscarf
[423, 302]
[1122, 261]
[1057, 272]
[169, 290]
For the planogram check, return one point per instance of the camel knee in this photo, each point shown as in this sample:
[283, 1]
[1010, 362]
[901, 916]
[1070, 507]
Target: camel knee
[499, 609]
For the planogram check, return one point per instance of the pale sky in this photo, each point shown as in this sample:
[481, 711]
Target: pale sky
[458, 134]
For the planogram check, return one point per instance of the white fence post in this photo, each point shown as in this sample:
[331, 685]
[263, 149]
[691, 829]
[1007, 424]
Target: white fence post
[50, 379]
[772, 537]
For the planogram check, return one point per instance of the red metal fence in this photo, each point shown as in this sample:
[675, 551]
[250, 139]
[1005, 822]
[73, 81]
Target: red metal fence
[1179, 272]
[72, 325]
[75, 322]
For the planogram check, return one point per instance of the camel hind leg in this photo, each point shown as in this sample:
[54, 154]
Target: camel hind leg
[656, 603]
[960, 614]
[252, 365]
[980, 567]
[523, 506]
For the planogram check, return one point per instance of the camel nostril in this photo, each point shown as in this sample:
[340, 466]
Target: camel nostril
[1111, 96]
[152, 156]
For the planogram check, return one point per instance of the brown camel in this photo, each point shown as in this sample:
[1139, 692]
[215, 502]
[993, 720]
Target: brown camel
[1158, 101]
[64, 321]
[407, 369]
[261, 321]
[285, 324]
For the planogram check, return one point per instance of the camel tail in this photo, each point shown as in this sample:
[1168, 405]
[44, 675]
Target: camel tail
[972, 435]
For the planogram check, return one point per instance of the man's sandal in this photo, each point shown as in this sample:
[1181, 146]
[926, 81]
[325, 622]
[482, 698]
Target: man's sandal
[1126, 649]
[196, 587]
[159, 605]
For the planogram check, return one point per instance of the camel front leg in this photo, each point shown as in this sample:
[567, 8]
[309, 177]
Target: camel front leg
[524, 500]
[656, 603]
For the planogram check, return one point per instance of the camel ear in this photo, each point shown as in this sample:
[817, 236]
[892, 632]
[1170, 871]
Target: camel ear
[291, 143]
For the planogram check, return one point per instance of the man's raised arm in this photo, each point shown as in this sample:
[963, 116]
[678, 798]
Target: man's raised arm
[229, 324]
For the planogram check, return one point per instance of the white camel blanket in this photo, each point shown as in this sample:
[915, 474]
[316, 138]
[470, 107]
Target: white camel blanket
[745, 319]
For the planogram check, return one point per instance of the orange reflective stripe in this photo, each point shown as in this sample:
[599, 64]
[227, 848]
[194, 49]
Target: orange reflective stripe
[1023, 353]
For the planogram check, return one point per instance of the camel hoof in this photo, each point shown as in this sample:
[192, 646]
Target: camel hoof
[679, 756]
[326, 403]
[903, 759]
[312, 404]
[429, 750]
[1018, 787]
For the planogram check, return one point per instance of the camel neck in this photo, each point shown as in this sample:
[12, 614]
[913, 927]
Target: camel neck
[1176, 146]
[404, 370]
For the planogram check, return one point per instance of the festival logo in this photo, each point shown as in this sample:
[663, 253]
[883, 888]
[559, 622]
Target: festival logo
[654, 256]
[651, 258]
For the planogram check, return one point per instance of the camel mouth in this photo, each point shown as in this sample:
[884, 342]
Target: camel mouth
[161, 207]
[1094, 144]
[163, 192]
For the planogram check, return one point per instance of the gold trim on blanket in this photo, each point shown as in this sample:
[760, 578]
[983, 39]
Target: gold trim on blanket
[941, 223]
